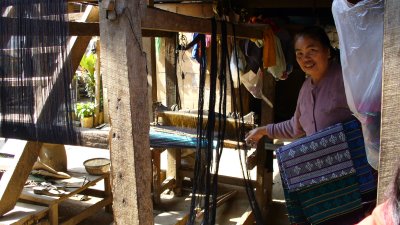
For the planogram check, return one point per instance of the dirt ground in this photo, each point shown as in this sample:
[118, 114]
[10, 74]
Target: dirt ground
[173, 207]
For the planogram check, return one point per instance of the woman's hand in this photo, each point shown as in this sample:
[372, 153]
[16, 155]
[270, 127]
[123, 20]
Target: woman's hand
[255, 135]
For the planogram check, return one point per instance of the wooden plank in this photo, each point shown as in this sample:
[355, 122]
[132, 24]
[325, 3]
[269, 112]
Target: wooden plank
[168, 183]
[91, 210]
[24, 214]
[13, 180]
[173, 22]
[75, 184]
[390, 138]
[124, 74]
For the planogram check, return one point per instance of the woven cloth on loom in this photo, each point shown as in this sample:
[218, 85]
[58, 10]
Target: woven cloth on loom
[174, 137]
[326, 176]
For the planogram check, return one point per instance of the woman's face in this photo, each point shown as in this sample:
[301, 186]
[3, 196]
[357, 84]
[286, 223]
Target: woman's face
[312, 57]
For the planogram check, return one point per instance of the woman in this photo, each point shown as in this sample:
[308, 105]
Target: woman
[322, 100]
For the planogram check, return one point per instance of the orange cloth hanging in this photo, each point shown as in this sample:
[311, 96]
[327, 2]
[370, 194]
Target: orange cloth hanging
[269, 54]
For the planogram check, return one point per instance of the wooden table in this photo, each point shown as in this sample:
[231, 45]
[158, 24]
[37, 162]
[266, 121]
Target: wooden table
[25, 214]
[77, 184]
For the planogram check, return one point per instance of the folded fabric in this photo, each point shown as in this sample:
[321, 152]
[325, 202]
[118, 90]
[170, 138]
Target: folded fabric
[326, 177]
[320, 157]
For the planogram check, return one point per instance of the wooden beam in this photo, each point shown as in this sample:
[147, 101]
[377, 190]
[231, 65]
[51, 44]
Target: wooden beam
[165, 24]
[172, 22]
[221, 178]
[84, 29]
[13, 180]
[295, 4]
[75, 28]
[189, 120]
[124, 73]
[157, 33]
[199, 9]
[390, 138]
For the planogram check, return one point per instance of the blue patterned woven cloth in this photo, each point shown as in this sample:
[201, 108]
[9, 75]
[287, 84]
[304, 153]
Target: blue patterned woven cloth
[326, 176]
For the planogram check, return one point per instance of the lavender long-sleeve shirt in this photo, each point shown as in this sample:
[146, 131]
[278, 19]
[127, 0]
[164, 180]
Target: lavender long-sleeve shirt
[318, 107]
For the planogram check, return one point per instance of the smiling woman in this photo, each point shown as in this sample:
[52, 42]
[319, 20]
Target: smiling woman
[322, 100]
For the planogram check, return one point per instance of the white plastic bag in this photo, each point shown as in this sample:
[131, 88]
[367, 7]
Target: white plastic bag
[360, 30]
[254, 84]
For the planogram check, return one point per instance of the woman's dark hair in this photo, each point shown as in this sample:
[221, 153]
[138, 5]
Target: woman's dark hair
[318, 33]
[394, 198]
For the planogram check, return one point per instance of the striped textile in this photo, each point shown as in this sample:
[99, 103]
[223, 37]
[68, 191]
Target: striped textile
[326, 176]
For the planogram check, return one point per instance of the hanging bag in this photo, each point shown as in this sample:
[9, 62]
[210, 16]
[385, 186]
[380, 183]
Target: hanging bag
[360, 30]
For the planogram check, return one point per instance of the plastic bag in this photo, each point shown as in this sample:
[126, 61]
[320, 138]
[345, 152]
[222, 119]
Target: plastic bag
[360, 30]
[254, 84]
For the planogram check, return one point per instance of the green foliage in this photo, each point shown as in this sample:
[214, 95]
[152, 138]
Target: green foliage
[88, 64]
[85, 109]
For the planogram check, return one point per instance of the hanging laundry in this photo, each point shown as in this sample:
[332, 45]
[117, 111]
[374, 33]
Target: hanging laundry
[279, 70]
[253, 55]
[288, 51]
[196, 52]
[269, 52]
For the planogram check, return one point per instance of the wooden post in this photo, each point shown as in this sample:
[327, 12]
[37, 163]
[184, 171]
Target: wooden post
[390, 138]
[264, 176]
[97, 89]
[149, 48]
[170, 71]
[174, 165]
[124, 69]
[153, 65]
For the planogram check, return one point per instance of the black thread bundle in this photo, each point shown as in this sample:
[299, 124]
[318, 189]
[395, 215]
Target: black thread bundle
[208, 152]
[35, 72]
